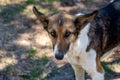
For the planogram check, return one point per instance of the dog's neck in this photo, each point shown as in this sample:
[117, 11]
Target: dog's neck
[81, 44]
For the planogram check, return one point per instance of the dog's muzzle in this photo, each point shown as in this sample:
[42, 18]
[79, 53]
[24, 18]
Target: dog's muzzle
[59, 56]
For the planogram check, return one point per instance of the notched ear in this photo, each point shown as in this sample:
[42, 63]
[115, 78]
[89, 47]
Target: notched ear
[43, 19]
[84, 19]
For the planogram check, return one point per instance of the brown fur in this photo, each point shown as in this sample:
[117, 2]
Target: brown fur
[61, 29]
[99, 66]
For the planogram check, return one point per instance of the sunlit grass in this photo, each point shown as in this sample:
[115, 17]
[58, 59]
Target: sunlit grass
[4, 2]
[46, 10]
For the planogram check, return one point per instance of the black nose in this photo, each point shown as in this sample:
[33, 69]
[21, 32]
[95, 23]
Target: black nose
[59, 56]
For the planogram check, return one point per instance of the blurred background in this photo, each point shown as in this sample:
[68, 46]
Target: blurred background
[25, 48]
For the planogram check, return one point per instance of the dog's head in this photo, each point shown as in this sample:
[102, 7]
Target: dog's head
[63, 29]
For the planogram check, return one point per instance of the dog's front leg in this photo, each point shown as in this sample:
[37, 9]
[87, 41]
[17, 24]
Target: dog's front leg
[79, 72]
[90, 62]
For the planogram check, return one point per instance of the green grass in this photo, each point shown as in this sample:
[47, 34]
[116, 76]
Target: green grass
[30, 1]
[36, 70]
[9, 70]
[35, 73]
[53, 72]
[54, 10]
[32, 75]
[0, 8]
[24, 75]
[49, 1]
[44, 59]
[109, 67]
[106, 67]
[31, 52]
[43, 10]
[10, 11]
[7, 15]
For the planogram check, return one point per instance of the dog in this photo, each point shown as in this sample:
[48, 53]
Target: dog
[85, 39]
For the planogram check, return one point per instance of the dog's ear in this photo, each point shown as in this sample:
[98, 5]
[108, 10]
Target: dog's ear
[43, 19]
[84, 19]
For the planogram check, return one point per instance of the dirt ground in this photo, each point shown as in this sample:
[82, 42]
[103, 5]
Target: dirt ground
[26, 50]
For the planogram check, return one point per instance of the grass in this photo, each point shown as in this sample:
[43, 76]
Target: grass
[106, 68]
[8, 71]
[8, 12]
[31, 52]
[28, 13]
[44, 59]
[24, 75]
[34, 71]
[37, 64]
[46, 1]
[54, 10]
[46, 10]
[109, 68]
[49, 1]
[30, 1]
[0, 8]
[30, 76]
[53, 72]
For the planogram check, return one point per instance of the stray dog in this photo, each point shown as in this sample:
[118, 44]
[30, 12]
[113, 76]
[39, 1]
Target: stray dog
[84, 39]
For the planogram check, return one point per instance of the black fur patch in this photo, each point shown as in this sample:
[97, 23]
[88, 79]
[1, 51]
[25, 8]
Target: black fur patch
[105, 29]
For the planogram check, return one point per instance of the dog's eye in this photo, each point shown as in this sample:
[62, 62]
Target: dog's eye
[67, 34]
[53, 34]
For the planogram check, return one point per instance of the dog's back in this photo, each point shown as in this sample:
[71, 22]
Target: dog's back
[107, 27]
